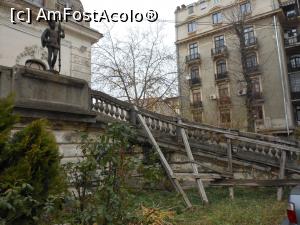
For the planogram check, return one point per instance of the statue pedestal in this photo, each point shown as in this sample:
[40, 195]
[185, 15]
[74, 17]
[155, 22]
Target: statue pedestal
[42, 92]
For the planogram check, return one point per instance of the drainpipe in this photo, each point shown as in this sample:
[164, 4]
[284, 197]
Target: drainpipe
[178, 68]
[281, 75]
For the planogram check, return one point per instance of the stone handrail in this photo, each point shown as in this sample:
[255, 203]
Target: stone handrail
[166, 125]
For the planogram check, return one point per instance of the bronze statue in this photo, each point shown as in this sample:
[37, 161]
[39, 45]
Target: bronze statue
[51, 38]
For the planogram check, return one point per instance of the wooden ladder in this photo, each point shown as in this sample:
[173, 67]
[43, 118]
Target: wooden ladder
[173, 178]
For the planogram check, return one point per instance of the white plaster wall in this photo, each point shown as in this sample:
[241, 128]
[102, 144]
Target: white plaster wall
[76, 47]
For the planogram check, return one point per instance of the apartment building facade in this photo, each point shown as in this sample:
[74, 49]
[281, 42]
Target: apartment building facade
[211, 78]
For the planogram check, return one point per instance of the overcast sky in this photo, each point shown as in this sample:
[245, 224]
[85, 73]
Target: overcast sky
[165, 9]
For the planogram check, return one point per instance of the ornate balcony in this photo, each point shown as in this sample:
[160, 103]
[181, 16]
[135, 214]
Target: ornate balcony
[293, 68]
[295, 95]
[224, 101]
[253, 70]
[193, 58]
[292, 41]
[195, 81]
[251, 43]
[219, 52]
[221, 76]
[258, 97]
[286, 3]
[196, 105]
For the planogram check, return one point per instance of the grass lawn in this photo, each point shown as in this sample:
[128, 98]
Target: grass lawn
[251, 206]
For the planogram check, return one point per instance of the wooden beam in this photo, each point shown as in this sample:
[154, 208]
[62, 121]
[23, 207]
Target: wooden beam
[230, 168]
[256, 183]
[281, 174]
[222, 173]
[194, 166]
[163, 160]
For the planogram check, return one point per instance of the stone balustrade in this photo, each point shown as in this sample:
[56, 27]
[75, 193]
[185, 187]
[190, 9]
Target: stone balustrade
[264, 145]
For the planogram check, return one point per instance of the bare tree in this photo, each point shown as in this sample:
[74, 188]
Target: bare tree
[239, 21]
[137, 67]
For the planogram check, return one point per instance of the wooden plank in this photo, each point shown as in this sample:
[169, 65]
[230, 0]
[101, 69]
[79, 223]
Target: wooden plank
[230, 168]
[281, 174]
[229, 155]
[220, 172]
[256, 183]
[194, 166]
[163, 160]
[198, 176]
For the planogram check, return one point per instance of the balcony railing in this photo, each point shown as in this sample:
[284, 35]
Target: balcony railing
[252, 69]
[224, 101]
[293, 68]
[220, 51]
[287, 3]
[295, 95]
[257, 96]
[196, 105]
[195, 81]
[291, 14]
[221, 76]
[292, 41]
[251, 42]
[192, 58]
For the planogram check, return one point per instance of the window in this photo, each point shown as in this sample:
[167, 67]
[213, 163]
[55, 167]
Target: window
[193, 50]
[217, 18]
[192, 26]
[295, 83]
[249, 36]
[291, 13]
[225, 116]
[251, 61]
[196, 97]
[295, 61]
[245, 8]
[223, 91]
[197, 117]
[298, 114]
[292, 32]
[258, 112]
[255, 86]
[221, 67]
[203, 4]
[191, 9]
[219, 42]
[195, 73]
[291, 36]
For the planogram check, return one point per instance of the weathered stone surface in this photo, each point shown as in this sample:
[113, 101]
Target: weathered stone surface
[37, 91]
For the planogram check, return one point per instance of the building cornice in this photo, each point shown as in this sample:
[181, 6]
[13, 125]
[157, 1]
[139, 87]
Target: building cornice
[226, 27]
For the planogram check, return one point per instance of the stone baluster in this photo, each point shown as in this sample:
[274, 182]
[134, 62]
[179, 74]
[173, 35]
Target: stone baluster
[112, 110]
[152, 123]
[158, 125]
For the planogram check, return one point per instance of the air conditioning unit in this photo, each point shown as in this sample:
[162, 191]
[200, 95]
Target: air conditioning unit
[213, 97]
[242, 92]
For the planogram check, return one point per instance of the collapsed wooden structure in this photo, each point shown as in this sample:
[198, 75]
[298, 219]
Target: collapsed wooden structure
[254, 150]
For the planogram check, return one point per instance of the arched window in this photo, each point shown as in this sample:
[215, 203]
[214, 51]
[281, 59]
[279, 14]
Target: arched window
[251, 61]
[221, 66]
[295, 61]
[35, 64]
